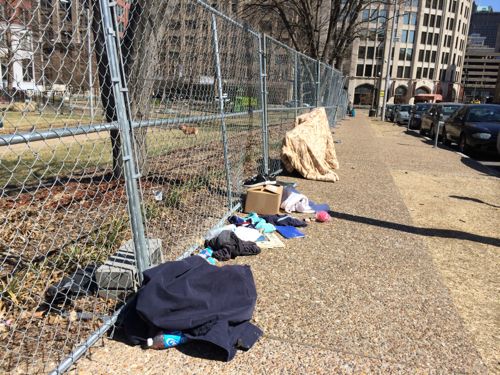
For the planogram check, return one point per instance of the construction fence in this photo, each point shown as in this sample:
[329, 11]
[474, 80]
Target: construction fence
[126, 133]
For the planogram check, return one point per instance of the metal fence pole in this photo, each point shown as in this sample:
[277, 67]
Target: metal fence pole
[218, 73]
[89, 47]
[125, 126]
[318, 84]
[263, 91]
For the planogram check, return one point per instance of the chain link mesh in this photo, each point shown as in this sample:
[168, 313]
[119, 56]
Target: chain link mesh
[66, 231]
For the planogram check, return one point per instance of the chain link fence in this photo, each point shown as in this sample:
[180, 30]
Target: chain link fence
[126, 132]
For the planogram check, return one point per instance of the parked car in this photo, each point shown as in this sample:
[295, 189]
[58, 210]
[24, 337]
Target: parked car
[296, 103]
[474, 126]
[417, 112]
[498, 144]
[436, 115]
[389, 108]
[392, 114]
[403, 114]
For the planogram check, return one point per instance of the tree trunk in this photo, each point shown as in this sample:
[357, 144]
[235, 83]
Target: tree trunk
[142, 44]
[107, 95]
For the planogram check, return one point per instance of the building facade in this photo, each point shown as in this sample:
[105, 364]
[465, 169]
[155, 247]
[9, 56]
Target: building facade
[480, 73]
[482, 58]
[427, 54]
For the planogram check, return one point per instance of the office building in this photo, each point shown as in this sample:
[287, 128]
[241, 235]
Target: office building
[485, 22]
[427, 54]
[482, 57]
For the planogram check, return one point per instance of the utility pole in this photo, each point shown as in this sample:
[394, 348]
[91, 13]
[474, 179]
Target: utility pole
[389, 60]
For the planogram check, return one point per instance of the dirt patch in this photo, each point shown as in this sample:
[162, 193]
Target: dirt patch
[61, 223]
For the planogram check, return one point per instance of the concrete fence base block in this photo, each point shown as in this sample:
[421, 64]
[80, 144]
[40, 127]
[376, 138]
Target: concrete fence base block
[117, 276]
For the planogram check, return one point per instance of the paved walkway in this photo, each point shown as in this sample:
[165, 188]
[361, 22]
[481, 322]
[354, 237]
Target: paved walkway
[358, 294]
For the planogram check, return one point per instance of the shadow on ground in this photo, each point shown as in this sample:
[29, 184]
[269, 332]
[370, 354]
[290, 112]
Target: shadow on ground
[428, 232]
[471, 163]
[473, 200]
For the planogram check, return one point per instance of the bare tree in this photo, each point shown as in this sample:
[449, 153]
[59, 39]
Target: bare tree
[323, 29]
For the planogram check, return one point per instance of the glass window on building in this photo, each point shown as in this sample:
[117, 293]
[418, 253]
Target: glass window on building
[361, 52]
[365, 16]
[404, 36]
[27, 70]
[370, 52]
[438, 21]
[421, 55]
[426, 20]
[399, 73]
[419, 73]
[433, 20]
[359, 70]
[426, 72]
[413, 19]
[429, 38]
[436, 39]
[382, 15]
[423, 37]
[427, 56]
[402, 53]
[431, 73]
[433, 56]
[406, 18]
[368, 71]
[409, 54]
[4, 68]
[411, 36]
[407, 72]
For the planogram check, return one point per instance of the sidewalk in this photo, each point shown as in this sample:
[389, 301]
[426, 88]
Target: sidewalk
[362, 293]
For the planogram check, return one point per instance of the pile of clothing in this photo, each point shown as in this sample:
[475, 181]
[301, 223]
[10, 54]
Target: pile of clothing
[195, 300]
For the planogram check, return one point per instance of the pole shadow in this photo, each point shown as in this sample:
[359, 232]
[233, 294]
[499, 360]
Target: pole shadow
[428, 232]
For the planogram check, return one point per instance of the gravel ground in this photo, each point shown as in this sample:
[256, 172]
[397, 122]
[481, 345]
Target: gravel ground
[361, 294]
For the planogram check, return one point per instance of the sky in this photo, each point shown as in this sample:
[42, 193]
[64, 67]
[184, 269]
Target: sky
[494, 3]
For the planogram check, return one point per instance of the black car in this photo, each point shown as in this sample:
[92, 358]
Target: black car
[436, 115]
[416, 114]
[475, 126]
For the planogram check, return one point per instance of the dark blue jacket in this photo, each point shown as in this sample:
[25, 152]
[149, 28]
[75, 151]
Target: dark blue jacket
[205, 302]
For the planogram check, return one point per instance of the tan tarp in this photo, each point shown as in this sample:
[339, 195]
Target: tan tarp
[309, 149]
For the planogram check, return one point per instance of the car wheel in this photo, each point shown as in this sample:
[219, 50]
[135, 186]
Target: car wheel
[446, 141]
[462, 144]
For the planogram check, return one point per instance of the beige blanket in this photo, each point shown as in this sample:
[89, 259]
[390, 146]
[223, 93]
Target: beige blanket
[309, 149]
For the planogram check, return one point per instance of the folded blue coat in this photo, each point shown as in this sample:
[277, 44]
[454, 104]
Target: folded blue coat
[205, 302]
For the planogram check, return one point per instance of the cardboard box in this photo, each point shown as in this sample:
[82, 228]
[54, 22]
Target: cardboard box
[264, 200]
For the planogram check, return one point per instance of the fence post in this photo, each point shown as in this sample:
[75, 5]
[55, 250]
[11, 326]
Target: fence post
[296, 83]
[215, 41]
[318, 84]
[263, 91]
[125, 128]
